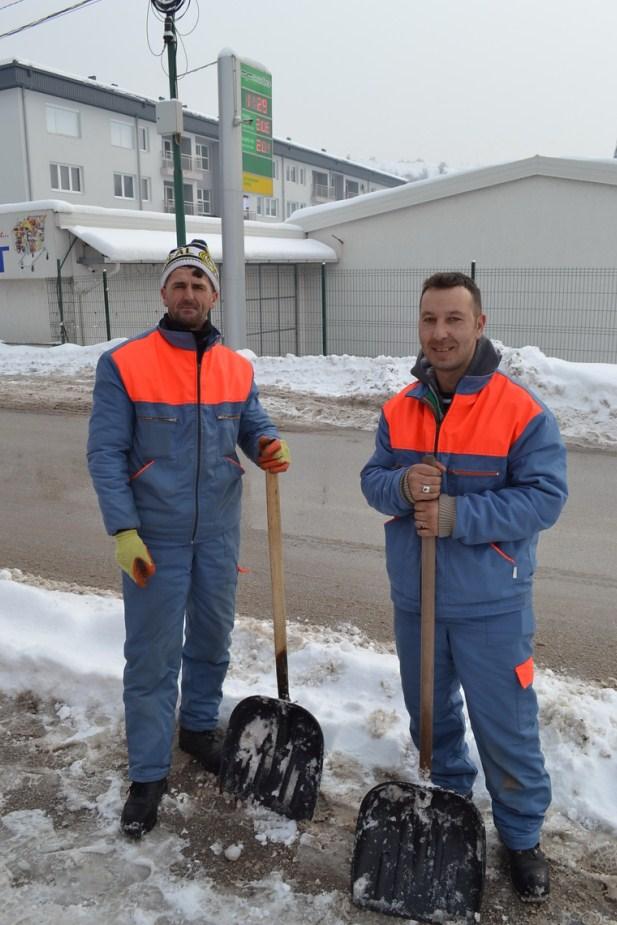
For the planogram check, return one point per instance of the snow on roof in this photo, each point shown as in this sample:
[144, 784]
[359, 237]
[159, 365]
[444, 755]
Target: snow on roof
[134, 236]
[313, 218]
[130, 245]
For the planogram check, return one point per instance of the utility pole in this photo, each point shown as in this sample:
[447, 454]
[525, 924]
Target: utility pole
[169, 8]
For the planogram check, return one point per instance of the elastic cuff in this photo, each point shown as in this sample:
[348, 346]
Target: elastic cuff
[447, 515]
[404, 490]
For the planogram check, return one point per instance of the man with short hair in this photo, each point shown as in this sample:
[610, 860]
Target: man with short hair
[170, 406]
[497, 477]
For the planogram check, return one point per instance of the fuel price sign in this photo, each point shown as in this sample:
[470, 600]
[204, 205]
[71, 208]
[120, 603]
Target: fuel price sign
[256, 93]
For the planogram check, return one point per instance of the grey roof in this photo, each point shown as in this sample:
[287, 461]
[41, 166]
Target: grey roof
[312, 218]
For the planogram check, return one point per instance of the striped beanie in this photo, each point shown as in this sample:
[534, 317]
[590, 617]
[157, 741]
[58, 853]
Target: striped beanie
[194, 254]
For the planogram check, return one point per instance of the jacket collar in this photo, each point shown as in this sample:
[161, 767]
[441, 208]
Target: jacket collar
[187, 340]
[485, 361]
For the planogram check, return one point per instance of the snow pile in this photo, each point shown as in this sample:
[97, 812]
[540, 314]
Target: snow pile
[64, 360]
[583, 396]
[366, 734]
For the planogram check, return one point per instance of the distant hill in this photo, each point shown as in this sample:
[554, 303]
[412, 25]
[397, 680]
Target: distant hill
[410, 170]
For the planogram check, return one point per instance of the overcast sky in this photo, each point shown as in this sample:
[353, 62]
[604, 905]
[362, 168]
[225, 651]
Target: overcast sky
[467, 82]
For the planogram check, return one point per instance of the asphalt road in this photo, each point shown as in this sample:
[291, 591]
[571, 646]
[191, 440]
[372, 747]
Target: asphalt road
[334, 563]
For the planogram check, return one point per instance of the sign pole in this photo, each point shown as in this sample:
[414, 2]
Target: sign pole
[232, 217]
[169, 37]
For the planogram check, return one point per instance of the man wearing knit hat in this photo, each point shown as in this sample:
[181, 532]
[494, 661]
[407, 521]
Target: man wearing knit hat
[170, 407]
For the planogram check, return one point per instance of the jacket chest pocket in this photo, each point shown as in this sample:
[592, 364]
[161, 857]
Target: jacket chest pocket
[155, 436]
[462, 481]
[227, 427]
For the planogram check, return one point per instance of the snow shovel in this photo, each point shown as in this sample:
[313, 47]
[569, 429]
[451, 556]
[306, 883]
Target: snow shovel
[419, 851]
[273, 749]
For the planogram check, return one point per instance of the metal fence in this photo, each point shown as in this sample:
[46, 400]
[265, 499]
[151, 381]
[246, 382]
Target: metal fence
[92, 309]
[304, 310]
[567, 313]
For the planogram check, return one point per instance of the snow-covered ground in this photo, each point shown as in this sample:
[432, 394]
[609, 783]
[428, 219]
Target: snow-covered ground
[66, 649]
[63, 652]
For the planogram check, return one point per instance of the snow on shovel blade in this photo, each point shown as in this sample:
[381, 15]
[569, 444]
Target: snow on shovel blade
[273, 752]
[419, 853]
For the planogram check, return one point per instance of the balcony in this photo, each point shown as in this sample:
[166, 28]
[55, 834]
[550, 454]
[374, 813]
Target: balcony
[190, 208]
[186, 161]
[322, 193]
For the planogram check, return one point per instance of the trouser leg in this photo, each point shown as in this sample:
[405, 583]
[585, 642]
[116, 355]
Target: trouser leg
[452, 767]
[209, 623]
[154, 618]
[504, 718]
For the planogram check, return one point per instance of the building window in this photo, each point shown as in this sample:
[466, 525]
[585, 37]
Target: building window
[144, 138]
[186, 158]
[122, 135]
[267, 207]
[276, 169]
[65, 178]
[202, 154]
[293, 207]
[295, 174]
[204, 202]
[352, 188]
[321, 186]
[145, 189]
[62, 121]
[168, 197]
[124, 186]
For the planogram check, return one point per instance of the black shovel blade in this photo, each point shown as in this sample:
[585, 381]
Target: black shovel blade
[419, 853]
[273, 752]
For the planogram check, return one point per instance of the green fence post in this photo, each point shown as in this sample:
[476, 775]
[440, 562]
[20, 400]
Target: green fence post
[60, 303]
[473, 270]
[106, 299]
[324, 320]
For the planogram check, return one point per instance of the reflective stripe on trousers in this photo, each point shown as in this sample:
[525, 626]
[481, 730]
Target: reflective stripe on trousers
[481, 655]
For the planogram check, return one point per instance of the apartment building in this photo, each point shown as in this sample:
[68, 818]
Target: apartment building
[91, 143]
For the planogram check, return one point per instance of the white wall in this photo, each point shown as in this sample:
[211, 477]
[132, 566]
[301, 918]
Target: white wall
[92, 151]
[24, 311]
[533, 222]
[13, 176]
[546, 262]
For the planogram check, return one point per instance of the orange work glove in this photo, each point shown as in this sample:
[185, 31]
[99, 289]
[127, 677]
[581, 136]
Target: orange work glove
[274, 455]
[133, 557]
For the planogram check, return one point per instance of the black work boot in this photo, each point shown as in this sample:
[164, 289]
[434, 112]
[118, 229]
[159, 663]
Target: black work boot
[140, 810]
[529, 872]
[206, 746]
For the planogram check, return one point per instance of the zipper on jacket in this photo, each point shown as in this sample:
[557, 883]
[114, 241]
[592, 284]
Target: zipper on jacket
[508, 558]
[432, 402]
[198, 455]
[473, 472]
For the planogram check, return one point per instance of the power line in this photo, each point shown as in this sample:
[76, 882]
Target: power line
[38, 22]
[7, 5]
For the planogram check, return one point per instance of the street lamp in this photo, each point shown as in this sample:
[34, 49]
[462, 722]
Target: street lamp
[169, 8]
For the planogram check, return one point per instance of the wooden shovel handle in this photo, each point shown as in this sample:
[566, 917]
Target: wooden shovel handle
[427, 649]
[427, 655]
[275, 546]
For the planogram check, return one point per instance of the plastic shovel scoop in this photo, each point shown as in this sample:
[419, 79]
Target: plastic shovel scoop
[273, 749]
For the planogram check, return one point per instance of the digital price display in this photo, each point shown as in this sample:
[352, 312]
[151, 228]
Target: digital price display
[256, 96]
